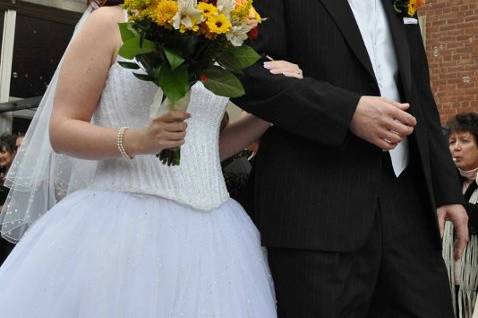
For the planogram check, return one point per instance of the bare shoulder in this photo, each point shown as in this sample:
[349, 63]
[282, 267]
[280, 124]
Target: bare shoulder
[106, 18]
[101, 28]
[108, 15]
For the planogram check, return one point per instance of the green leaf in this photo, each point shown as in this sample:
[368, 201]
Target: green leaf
[132, 47]
[238, 58]
[174, 83]
[222, 82]
[174, 58]
[127, 31]
[143, 77]
[129, 65]
[157, 73]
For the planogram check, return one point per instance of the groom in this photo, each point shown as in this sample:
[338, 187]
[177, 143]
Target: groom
[348, 184]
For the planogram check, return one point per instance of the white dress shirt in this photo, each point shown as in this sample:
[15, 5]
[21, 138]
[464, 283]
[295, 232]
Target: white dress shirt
[373, 25]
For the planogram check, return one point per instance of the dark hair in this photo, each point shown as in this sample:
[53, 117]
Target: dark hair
[8, 142]
[101, 3]
[464, 122]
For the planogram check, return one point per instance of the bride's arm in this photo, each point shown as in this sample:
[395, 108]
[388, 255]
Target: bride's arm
[81, 81]
[242, 133]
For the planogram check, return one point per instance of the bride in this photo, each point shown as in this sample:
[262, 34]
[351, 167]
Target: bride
[132, 238]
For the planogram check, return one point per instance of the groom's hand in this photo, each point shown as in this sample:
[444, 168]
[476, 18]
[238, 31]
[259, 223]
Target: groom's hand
[455, 213]
[382, 122]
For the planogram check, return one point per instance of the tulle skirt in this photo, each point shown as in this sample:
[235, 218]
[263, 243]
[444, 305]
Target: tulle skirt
[113, 254]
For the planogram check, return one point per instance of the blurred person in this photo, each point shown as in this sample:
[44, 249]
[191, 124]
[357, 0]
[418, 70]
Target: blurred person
[463, 274]
[7, 153]
[237, 169]
[8, 149]
[19, 140]
[234, 169]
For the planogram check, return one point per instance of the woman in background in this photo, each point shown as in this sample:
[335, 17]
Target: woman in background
[8, 149]
[463, 144]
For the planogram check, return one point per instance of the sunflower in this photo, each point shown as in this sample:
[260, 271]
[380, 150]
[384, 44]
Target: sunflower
[219, 24]
[412, 7]
[164, 12]
[207, 9]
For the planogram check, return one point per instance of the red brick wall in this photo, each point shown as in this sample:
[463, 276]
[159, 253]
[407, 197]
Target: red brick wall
[452, 48]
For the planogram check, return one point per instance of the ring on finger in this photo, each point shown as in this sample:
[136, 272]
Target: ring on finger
[395, 132]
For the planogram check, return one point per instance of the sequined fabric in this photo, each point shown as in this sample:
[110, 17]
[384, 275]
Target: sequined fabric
[198, 181]
[105, 254]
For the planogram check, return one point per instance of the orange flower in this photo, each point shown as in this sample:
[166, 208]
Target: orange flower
[420, 3]
[240, 3]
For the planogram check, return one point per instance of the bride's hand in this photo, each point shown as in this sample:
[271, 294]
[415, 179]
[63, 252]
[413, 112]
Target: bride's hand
[283, 67]
[165, 132]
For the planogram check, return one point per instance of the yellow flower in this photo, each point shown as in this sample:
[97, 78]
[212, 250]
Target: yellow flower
[412, 7]
[218, 24]
[164, 12]
[241, 9]
[136, 4]
[254, 15]
[184, 29]
[241, 2]
[207, 9]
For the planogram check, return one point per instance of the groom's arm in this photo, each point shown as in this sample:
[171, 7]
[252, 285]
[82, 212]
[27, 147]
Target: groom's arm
[309, 108]
[445, 179]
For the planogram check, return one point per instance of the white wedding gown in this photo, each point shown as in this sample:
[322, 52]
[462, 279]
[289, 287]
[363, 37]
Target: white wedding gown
[144, 240]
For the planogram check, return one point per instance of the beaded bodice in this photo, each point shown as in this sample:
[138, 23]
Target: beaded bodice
[198, 180]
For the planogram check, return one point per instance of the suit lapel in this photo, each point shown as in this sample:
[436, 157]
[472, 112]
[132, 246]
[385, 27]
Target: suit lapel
[401, 45]
[345, 20]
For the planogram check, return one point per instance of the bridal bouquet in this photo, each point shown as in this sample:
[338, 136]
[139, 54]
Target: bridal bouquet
[177, 43]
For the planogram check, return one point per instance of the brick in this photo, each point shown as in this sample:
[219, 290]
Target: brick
[452, 50]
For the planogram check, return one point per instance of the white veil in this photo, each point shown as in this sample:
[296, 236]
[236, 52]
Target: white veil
[39, 177]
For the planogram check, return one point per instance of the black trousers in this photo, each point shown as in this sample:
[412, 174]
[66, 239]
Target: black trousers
[398, 273]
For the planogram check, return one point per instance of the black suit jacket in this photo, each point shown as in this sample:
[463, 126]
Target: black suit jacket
[316, 184]
[471, 208]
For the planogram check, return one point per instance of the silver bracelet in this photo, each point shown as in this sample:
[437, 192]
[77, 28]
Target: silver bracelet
[120, 143]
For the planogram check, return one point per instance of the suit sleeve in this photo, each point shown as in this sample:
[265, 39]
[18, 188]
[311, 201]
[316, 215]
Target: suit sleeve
[472, 211]
[445, 179]
[309, 108]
